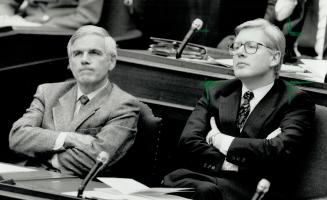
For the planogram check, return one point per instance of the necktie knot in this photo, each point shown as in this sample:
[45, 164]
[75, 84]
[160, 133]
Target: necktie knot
[84, 99]
[248, 95]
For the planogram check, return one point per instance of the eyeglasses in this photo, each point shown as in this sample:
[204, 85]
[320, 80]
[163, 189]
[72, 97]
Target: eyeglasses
[250, 47]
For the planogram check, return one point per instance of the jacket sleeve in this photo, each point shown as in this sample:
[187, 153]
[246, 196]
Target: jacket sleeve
[193, 146]
[87, 12]
[115, 137]
[26, 136]
[9, 7]
[296, 123]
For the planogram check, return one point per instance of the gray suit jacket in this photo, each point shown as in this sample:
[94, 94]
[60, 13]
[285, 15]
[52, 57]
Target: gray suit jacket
[110, 117]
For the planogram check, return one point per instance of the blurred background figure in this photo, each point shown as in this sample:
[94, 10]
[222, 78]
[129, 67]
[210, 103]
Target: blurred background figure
[288, 15]
[68, 14]
[304, 25]
[312, 40]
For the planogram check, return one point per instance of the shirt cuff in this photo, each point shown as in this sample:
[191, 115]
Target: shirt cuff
[59, 144]
[227, 166]
[225, 143]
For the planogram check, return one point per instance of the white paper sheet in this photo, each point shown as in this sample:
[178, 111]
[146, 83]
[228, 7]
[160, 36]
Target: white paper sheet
[8, 168]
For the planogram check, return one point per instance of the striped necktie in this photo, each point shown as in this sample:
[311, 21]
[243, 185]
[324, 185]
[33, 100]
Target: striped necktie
[244, 109]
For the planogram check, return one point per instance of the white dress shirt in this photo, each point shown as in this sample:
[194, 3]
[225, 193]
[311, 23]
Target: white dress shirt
[258, 93]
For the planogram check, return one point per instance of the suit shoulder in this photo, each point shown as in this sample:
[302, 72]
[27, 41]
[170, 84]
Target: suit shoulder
[293, 92]
[59, 87]
[214, 87]
[122, 96]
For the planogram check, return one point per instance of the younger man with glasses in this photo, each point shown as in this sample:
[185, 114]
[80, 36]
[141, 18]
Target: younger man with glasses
[248, 128]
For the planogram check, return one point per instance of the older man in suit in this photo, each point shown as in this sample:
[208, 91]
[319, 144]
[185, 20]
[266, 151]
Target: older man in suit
[248, 128]
[69, 123]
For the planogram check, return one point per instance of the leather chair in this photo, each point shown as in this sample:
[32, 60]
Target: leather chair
[141, 161]
[311, 182]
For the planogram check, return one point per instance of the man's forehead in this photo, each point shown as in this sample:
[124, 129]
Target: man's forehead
[251, 34]
[89, 42]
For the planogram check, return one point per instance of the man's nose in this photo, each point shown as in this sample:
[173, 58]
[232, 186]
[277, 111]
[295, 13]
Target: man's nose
[240, 51]
[85, 58]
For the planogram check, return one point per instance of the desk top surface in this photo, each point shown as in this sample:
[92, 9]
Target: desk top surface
[209, 70]
[43, 181]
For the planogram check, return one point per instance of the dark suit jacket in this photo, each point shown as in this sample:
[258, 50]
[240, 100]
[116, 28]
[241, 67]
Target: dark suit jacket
[110, 117]
[283, 106]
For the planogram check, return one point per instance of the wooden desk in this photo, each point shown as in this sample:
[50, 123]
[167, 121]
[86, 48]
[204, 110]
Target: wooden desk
[180, 82]
[42, 184]
[24, 45]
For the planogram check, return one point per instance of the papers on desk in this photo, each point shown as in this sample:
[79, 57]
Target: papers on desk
[129, 189]
[317, 67]
[16, 20]
[8, 168]
[310, 70]
[208, 60]
[227, 62]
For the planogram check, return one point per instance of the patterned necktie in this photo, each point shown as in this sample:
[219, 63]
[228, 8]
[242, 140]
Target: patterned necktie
[244, 109]
[84, 99]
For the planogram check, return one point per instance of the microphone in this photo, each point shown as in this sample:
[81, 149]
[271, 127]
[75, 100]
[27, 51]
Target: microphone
[196, 25]
[262, 189]
[102, 160]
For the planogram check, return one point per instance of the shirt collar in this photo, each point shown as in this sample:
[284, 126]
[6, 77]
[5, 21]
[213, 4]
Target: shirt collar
[92, 94]
[258, 93]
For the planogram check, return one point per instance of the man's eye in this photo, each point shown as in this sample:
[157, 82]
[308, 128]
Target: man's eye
[95, 52]
[77, 53]
[252, 46]
[236, 46]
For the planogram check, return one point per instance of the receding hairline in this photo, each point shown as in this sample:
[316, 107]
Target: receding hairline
[110, 43]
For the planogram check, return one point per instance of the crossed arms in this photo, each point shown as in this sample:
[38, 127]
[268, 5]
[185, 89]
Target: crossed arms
[111, 129]
[282, 135]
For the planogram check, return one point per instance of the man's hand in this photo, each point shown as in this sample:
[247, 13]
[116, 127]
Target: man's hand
[218, 139]
[213, 132]
[76, 140]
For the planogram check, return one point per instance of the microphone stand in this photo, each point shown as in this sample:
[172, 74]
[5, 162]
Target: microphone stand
[87, 179]
[102, 160]
[196, 25]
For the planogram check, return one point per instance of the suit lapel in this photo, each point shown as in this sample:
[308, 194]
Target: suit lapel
[90, 108]
[261, 113]
[63, 112]
[228, 108]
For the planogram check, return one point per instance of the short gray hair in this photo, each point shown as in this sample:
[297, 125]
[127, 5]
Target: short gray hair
[276, 39]
[110, 43]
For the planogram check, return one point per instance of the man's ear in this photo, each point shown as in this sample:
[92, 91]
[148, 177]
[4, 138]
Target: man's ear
[112, 63]
[275, 58]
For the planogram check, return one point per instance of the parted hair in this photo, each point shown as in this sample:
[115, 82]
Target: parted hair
[110, 43]
[275, 37]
